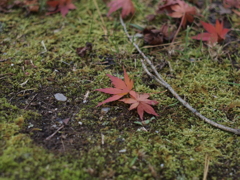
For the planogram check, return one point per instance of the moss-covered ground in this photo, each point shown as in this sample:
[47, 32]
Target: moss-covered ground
[38, 59]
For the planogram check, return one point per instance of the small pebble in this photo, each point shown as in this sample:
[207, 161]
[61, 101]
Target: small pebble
[60, 97]
[54, 126]
[30, 125]
[123, 150]
[142, 129]
[105, 110]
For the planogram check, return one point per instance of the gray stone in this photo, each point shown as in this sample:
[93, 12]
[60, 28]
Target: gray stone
[60, 97]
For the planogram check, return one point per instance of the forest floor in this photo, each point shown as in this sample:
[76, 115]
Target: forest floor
[43, 137]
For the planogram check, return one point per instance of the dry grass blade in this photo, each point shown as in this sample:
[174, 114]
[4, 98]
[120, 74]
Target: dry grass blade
[206, 166]
[160, 80]
[100, 15]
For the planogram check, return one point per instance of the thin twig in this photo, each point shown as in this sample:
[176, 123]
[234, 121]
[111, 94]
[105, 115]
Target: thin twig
[49, 137]
[160, 45]
[6, 74]
[160, 80]
[3, 60]
[30, 101]
[63, 145]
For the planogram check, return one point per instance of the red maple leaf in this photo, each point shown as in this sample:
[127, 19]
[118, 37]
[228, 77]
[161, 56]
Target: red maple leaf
[166, 5]
[126, 5]
[141, 102]
[31, 5]
[231, 3]
[121, 88]
[62, 6]
[179, 9]
[214, 34]
[236, 12]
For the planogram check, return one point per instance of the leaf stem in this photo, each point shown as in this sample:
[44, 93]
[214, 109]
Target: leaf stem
[178, 28]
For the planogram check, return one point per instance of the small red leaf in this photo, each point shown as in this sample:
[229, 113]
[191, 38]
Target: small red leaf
[127, 80]
[236, 12]
[141, 102]
[118, 83]
[179, 9]
[209, 27]
[113, 98]
[65, 121]
[126, 5]
[214, 34]
[121, 88]
[110, 90]
[62, 6]
[32, 5]
[133, 106]
[231, 3]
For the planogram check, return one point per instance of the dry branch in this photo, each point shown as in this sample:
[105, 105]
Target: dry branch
[160, 80]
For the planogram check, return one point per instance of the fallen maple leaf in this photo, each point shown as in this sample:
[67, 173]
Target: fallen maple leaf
[214, 34]
[28, 5]
[179, 9]
[3, 5]
[126, 5]
[31, 5]
[141, 102]
[166, 5]
[236, 12]
[82, 51]
[121, 88]
[151, 17]
[184, 11]
[62, 6]
[155, 36]
[231, 3]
